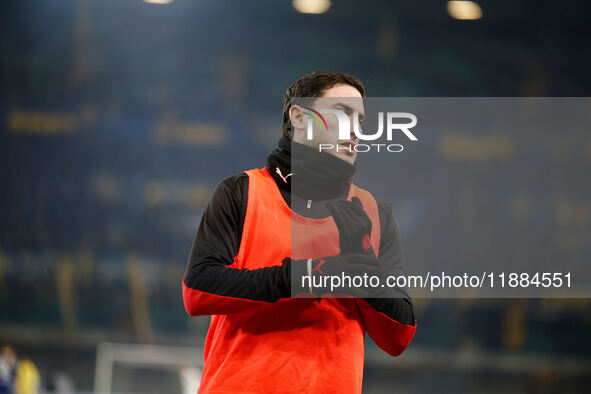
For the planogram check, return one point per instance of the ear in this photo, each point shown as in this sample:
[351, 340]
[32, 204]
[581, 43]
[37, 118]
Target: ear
[297, 117]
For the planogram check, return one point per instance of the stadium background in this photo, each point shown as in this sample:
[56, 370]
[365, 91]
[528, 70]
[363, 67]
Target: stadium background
[119, 117]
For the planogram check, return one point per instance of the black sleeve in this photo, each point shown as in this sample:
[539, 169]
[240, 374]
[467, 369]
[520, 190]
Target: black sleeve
[220, 230]
[399, 308]
[210, 286]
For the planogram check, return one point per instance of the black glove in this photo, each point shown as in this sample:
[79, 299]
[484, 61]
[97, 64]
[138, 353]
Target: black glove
[354, 226]
[329, 275]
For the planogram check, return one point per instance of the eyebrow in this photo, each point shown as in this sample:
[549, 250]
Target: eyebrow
[346, 107]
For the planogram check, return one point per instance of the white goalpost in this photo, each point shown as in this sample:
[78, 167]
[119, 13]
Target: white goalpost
[186, 362]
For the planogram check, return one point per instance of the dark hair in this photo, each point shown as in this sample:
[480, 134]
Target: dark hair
[315, 85]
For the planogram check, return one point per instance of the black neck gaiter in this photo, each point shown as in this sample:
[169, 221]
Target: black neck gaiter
[315, 175]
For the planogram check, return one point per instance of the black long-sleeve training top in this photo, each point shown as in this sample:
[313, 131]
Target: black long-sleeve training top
[218, 238]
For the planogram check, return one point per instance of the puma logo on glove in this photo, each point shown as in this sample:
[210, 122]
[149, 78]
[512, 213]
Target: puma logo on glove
[354, 225]
[318, 265]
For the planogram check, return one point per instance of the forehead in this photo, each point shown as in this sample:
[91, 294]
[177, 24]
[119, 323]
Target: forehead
[342, 90]
[342, 95]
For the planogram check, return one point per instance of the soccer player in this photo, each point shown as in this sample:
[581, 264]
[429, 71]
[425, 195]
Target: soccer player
[245, 266]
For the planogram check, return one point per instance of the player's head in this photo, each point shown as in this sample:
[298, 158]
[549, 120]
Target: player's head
[337, 91]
